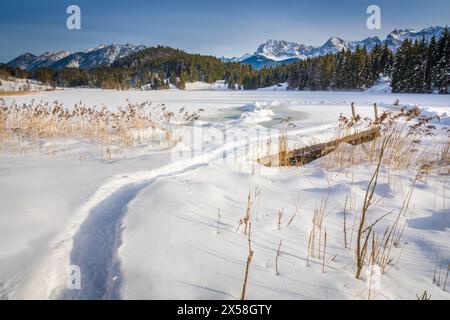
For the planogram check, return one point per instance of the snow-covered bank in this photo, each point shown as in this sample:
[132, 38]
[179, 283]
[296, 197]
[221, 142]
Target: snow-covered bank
[277, 87]
[383, 86]
[22, 85]
[195, 86]
[149, 224]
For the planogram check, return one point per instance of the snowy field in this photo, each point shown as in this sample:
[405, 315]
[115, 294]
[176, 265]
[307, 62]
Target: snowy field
[21, 85]
[160, 219]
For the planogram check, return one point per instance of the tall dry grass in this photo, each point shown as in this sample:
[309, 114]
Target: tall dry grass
[361, 245]
[407, 129]
[249, 261]
[37, 121]
[251, 202]
[315, 236]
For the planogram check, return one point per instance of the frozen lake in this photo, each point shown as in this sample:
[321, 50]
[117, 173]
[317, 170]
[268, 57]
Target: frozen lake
[310, 107]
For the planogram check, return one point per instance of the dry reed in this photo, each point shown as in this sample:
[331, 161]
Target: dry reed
[37, 121]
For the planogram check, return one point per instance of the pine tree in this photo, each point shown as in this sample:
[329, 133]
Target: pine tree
[338, 81]
[430, 66]
[386, 61]
[417, 59]
[182, 81]
[374, 66]
[443, 72]
[400, 68]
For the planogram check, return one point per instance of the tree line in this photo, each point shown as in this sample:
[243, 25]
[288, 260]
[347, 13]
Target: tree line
[416, 67]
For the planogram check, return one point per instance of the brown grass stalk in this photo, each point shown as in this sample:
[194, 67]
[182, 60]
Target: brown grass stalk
[249, 261]
[277, 256]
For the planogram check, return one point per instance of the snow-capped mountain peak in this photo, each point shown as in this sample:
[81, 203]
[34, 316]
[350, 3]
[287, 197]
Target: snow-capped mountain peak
[91, 58]
[23, 61]
[101, 55]
[335, 41]
[53, 56]
[28, 61]
[398, 33]
[275, 52]
[281, 50]
[235, 59]
[100, 47]
[334, 44]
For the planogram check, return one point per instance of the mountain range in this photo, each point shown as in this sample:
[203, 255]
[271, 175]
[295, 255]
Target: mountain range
[276, 52]
[101, 55]
[271, 53]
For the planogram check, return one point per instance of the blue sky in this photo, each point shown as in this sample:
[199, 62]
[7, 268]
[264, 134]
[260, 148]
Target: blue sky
[228, 27]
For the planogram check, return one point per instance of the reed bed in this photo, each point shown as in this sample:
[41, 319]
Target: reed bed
[406, 130]
[39, 121]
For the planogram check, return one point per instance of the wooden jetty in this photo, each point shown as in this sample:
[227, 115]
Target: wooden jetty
[305, 155]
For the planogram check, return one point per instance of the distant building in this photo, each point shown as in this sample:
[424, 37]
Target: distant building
[221, 84]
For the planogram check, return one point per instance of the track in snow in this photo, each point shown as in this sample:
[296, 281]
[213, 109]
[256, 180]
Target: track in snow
[95, 246]
[93, 238]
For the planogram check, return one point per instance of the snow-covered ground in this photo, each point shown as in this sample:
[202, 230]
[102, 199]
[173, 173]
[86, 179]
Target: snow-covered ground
[218, 85]
[157, 221]
[382, 86]
[13, 84]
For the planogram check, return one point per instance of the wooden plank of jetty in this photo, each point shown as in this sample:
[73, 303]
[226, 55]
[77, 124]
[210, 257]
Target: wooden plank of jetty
[310, 153]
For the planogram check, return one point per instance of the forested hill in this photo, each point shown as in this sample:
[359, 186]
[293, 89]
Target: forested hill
[419, 67]
[151, 68]
[156, 64]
